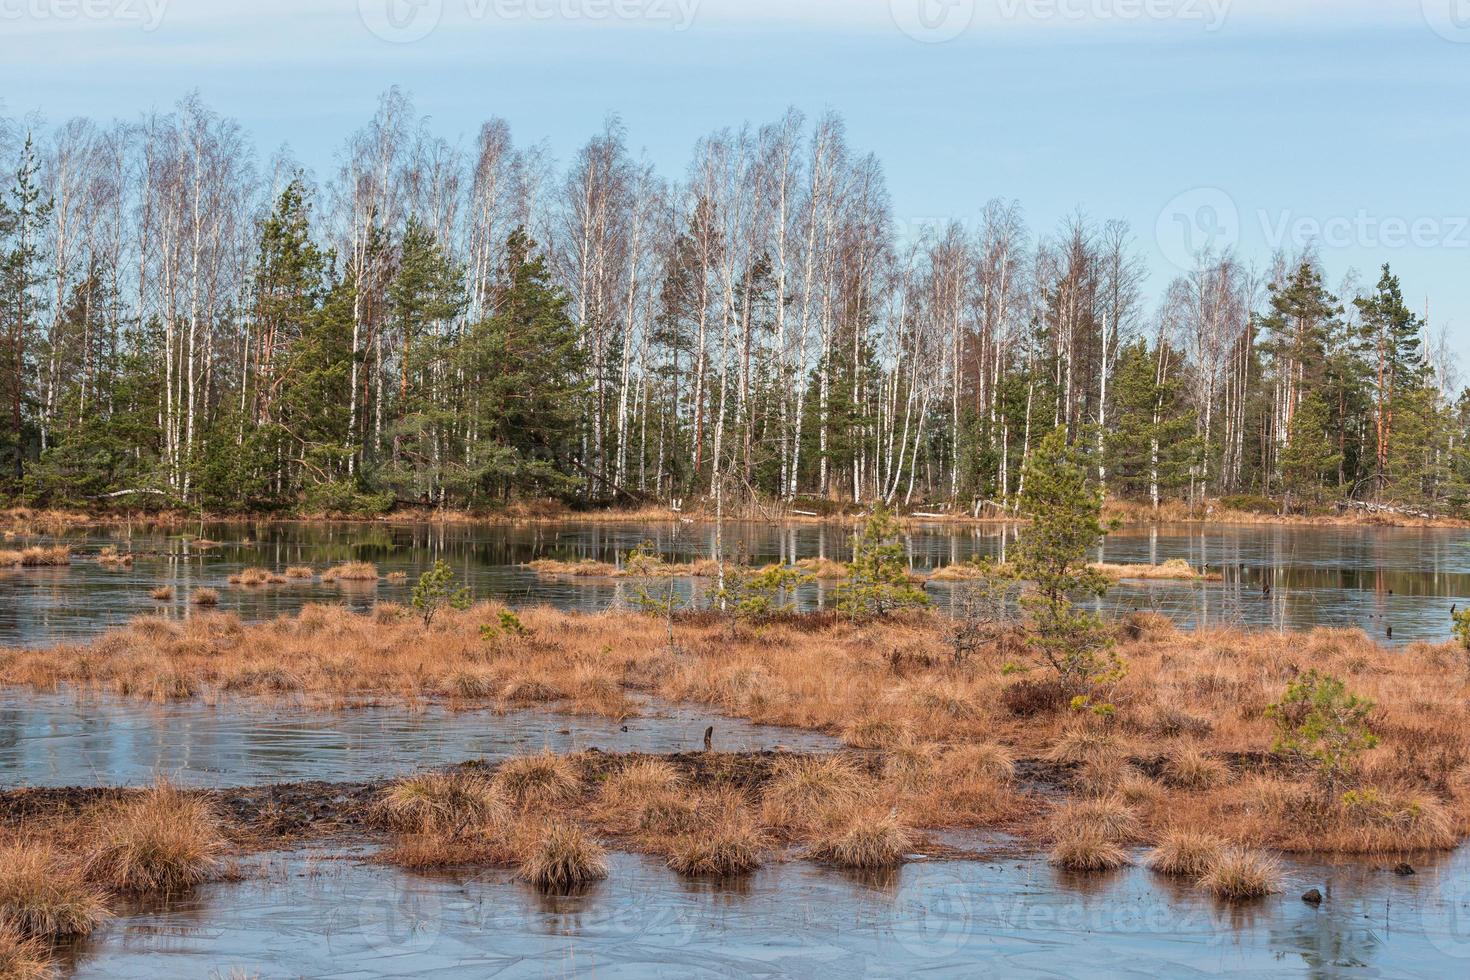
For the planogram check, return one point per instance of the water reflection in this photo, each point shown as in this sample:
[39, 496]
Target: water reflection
[1280, 577]
[790, 920]
[63, 740]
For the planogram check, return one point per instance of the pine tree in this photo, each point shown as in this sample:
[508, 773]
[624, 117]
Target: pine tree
[1053, 558]
[1153, 446]
[526, 366]
[22, 214]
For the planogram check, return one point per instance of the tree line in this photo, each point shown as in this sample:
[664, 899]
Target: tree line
[465, 324]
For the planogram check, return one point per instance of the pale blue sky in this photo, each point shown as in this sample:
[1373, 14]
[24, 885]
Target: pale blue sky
[1296, 118]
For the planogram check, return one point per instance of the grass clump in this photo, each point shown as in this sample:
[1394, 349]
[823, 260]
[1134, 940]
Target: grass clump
[43, 893]
[1237, 875]
[441, 803]
[732, 847]
[204, 597]
[164, 593]
[300, 573]
[865, 839]
[536, 781]
[22, 957]
[802, 790]
[1189, 768]
[352, 571]
[1088, 850]
[38, 557]
[563, 856]
[1186, 853]
[163, 841]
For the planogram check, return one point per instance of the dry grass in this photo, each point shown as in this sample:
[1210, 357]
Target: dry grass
[1087, 850]
[1109, 816]
[43, 893]
[1186, 853]
[449, 804]
[1187, 767]
[352, 571]
[204, 597]
[1237, 875]
[732, 846]
[1176, 569]
[803, 791]
[300, 573]
[37, 557]
[562, 856]
[892, 685]
[23, 957]
[257, 577]
[867, 838]
[539, 781]
[163, 841]
[164, 593]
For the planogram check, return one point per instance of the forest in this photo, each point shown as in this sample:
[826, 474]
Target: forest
[188, 323]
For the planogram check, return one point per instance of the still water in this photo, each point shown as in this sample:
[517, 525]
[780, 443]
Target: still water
[85, 740]
[1277, 577]
[1012, 916]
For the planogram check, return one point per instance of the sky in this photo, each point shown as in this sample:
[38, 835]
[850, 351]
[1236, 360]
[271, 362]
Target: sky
[1254, 124]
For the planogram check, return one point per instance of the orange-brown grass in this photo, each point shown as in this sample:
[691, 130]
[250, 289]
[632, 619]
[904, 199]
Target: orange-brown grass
[587, 568]
[825, 569]
[639, 786]
[23, 957]
[1174, 568]
[491, 845]
[110, 557]
[865, 838]
[300, 573]
[257, 577]
[732, 846]
[164, 593]
[1187, 767]
[533, 782]
[1088, 850]
[37, 557]
[204, 597]
[1237, 875]
[162, 841]
[561, 855]
[804, 792]
[1186, 853]
[1109, 816]
[1188, 698]
[352, 571]
[43, 893]
[441, 803]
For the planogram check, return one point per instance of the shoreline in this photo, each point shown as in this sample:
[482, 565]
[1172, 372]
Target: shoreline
[21, 520]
